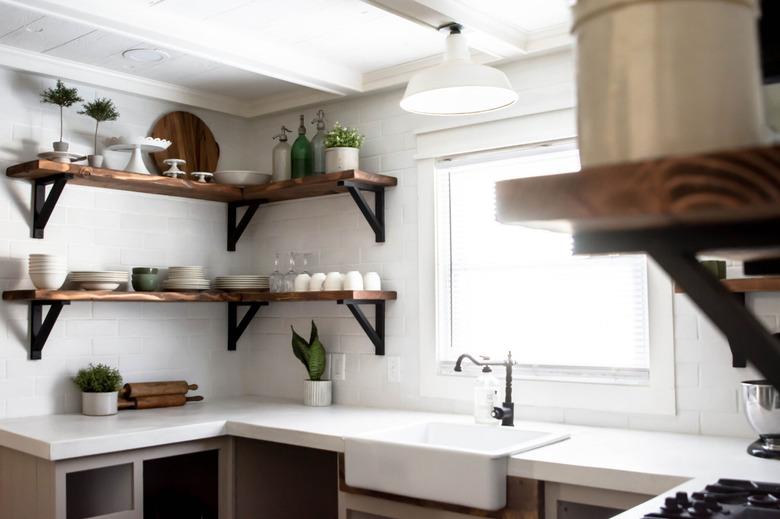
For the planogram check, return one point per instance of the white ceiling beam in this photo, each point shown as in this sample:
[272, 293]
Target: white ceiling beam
[204, 40]
[37, 63]
[488, 34]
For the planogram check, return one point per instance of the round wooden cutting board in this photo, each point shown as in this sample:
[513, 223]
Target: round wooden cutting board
[192, 141]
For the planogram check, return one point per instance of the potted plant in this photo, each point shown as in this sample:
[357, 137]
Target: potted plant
[99, 386]
[101, 109]
[316, 392]
[342, 148]
[62, 97]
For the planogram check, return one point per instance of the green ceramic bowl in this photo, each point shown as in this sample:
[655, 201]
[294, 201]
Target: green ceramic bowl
[145, 282]
[145, 270]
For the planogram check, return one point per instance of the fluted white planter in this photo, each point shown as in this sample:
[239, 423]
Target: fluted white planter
[317, 393]
[99, 404]
[341, 159]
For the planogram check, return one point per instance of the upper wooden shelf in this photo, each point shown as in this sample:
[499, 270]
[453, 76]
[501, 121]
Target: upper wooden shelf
[746, 285]
[298, 188]
[211, 296]
[736, 186]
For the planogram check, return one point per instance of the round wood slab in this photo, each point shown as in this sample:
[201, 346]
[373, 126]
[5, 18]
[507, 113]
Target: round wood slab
[192, 141]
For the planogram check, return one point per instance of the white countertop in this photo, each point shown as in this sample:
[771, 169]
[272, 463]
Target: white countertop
[617, 459]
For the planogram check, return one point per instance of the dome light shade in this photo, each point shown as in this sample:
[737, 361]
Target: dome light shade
[458, 86]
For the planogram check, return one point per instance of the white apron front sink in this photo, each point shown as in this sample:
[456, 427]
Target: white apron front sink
[463, 464]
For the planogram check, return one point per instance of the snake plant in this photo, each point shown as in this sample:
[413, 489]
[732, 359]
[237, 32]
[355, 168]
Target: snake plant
[311, 354]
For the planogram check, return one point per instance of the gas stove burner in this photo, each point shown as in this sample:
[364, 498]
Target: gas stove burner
[726, 499]
[765, 447]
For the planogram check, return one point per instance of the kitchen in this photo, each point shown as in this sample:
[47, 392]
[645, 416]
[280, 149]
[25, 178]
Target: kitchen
[404, 261]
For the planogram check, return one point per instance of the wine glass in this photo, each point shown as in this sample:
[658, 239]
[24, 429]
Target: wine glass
[306, 261]
[289, 278]
[276, 279]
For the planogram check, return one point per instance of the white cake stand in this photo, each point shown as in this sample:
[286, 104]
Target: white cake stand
[137, 146]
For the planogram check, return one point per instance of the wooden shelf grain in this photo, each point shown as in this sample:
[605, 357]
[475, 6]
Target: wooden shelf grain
[210, 296]
[734, 186]
[747, 285]
[294, 189]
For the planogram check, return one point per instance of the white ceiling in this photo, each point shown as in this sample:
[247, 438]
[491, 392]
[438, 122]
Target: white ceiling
[240, 56]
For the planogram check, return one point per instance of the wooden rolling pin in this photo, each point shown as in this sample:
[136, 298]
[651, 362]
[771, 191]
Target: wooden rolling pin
[168, 387]
[151, 402]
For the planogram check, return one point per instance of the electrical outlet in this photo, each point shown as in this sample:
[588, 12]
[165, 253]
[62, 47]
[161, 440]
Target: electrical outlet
[394, 369]
[338, 369]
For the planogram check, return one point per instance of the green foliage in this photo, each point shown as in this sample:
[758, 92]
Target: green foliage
[61, 95]
[311, 354]
[101, 109]
[341, 137]
[98, 379]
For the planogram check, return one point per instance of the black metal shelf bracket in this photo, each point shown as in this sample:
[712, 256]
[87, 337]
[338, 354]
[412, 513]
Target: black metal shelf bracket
[236, 228]
[42, 206]
[375, 217]
[236, 328]
[675, 251]
[375, 334]
[40, 328]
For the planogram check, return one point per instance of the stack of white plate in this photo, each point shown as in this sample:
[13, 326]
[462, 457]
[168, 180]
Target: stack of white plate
[186, 278]
[248, 282]
[47, 271]
[99, 280]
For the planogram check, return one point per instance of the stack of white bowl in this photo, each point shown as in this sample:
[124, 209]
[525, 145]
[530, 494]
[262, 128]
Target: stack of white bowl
[47, 271]
[186, 278]
[99, 279]
[245, 282]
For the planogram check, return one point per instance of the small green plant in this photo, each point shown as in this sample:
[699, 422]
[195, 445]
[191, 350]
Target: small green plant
[341, 137]
[62, 97]
[311, 354]
[98, 378]
[101, 109]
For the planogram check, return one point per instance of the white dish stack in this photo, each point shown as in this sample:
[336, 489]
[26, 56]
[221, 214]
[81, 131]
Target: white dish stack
[47, 271]
[99, 280]
[186, 278]
[245, 282]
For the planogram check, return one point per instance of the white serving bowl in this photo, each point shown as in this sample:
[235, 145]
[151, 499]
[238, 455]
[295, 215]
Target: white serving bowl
[48, 280]
[241, 178]
[98, 285]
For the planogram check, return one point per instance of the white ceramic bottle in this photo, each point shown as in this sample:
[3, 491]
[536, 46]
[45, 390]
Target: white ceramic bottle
[486, 396]
[282, 167]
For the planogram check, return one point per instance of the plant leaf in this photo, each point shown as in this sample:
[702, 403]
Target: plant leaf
[313, 336]
[317, 360]
[300, 348]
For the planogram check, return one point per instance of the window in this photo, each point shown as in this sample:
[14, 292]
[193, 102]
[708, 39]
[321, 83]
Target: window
[501, 287]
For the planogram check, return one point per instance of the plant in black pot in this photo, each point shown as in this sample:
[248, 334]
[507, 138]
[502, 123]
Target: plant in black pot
[101, 109]
[63, 97]
[100, 385]
[317, 392]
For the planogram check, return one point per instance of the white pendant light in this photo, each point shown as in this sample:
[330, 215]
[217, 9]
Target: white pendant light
[458, 86]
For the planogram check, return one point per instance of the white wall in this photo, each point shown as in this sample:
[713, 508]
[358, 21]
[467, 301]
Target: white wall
[332, 229]
[105, 229]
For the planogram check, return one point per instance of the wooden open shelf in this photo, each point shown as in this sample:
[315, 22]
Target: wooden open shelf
[209, 296]
[747, 285]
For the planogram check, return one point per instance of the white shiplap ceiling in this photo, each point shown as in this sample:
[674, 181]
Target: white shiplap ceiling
[251, 57]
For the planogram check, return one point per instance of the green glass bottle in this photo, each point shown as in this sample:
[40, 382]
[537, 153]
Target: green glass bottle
[302, 154]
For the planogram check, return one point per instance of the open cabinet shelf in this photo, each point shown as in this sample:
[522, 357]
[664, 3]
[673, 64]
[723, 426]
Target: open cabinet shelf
[724, 204]
[40, 327]
[44, 173]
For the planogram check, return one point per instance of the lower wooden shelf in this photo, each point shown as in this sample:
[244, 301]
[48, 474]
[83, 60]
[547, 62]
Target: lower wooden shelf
[747, 285]
[41, 327]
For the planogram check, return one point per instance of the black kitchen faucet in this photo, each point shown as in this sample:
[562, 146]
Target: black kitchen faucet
[505, 413]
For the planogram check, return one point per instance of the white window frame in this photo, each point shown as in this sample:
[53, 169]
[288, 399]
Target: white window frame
[656, 397]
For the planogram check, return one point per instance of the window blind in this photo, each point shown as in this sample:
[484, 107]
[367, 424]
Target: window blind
[503, 287]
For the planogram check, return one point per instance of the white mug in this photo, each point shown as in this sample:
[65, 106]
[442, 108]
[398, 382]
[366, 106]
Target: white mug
[371, 281]
[317, 279]
[332, 281]
[353, 281]
[302, 282]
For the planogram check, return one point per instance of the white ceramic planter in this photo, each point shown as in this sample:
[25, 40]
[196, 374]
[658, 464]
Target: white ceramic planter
[341, 159]
[60, 146]
[99, 404]
[317, 393]
[666, 77]
[95, 161]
